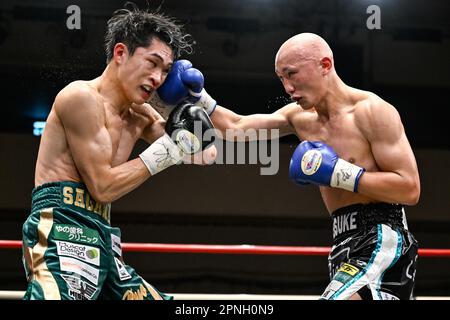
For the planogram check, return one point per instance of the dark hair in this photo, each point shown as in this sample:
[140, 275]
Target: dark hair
[137, 28]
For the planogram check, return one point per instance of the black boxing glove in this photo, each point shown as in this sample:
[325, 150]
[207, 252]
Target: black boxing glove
[187, 125]
[185, 130]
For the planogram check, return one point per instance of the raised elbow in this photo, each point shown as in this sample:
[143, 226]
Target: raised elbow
[413, 194]
[413, 199]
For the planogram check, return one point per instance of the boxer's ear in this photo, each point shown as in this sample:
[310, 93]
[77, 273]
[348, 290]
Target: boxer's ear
[120, 52]
[326, 63]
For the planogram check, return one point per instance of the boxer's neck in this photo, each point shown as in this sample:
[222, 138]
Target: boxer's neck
[109, 87]
[336, 97]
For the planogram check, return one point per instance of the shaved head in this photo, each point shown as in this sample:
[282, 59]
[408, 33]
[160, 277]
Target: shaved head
[305, 46]
[304, 64]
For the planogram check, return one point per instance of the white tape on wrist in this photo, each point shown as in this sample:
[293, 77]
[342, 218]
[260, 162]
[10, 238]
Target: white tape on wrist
[205, 101]
[346, 175]
[161, 154]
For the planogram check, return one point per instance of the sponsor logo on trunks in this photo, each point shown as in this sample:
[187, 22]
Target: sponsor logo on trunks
[346, 273]
[343, 223]
[341, 255]
[115, 244]
[331, 289]
[81, 268]
[411, 274]
[82, 252]
[121, 270]
[75, 234]
[82, 199]
[387, 296]
[311, 162]
[348, 268]
[79, 289]
[139, 294]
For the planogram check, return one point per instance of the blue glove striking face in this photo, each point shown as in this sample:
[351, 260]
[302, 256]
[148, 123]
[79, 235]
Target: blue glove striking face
[174, 90]
[317, 163]
[183, 84]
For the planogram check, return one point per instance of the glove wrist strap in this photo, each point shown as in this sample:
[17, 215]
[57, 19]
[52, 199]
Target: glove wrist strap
[205, 101]
[161, 154]
[346, 176]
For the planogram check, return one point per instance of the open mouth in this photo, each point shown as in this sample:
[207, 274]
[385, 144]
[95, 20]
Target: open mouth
[147, 89]
[297, 99]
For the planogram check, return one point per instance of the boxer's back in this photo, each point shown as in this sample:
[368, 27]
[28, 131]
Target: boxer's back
[55, 158]
[54, 162]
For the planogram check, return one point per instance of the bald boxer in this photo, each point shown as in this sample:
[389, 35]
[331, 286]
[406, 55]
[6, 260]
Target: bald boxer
[70, 250]
[354, 147]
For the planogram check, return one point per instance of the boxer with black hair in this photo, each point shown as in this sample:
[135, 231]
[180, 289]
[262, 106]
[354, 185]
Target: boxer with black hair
[70, 250]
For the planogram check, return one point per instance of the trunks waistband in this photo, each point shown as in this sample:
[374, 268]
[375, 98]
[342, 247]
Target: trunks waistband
[69, 195]
[354, 218]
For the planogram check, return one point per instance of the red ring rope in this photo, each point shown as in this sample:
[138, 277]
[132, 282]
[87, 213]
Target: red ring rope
[230, 249]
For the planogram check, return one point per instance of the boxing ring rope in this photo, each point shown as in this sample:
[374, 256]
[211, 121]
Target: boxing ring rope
[228, 249]
[231, 249]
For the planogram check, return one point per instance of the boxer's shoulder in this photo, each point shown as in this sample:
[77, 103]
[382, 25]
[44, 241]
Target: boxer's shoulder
[368, 102]
[373, 115]
[77, 96]
[79, 88]
[292, 110]
[298, 116]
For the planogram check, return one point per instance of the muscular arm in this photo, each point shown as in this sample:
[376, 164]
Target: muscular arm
[233, 126]
[398, 178]
[91, 148]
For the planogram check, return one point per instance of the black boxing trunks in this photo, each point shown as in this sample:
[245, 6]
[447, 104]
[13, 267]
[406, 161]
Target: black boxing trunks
[373, 253]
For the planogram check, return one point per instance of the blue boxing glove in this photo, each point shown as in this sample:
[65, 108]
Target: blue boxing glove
[317, 163]
[183, 84]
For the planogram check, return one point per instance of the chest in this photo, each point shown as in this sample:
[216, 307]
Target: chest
[115, 126]
[342, 134]
[122, 137]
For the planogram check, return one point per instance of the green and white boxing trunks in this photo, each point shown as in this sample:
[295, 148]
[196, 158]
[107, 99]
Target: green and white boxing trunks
[71, 252]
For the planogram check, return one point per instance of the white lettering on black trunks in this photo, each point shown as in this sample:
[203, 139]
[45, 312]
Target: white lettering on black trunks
[343, 223]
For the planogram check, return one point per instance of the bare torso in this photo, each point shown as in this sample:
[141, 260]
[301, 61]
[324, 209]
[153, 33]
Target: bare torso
[55, 160]
[348, 141]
